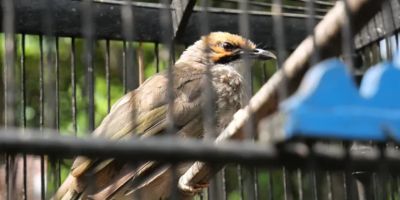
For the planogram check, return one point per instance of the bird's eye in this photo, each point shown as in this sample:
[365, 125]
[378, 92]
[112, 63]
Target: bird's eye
[228, 46]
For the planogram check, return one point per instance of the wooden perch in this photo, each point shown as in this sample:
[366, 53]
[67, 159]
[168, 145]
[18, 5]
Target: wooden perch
[328, 39]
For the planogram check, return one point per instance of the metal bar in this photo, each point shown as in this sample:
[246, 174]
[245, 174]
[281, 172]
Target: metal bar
[48, 52]
[332, 157]
[8, 14]
[287, 189]
[314, 184]
[324, 3]
[256, 184]
[68, 22]
[107, 69]
[248, 182]
[131, 71]
[157, 57]
[300, 184]
[347, 37]
[124, 68]
[8, 20]
[286, 8]
[141, 64]
[270, 186]
[73, 85]
[240, 182]
[23, 113]
[330, 195]
[9, 90]
[41, 117]
[57, 179]
[389, 26]
[88, 31]
[209, 98]
[165, 23]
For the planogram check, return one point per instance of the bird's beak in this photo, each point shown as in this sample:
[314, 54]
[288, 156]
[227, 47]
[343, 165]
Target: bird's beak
[261, 54]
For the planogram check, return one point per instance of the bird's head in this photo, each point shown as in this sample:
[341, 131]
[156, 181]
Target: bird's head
[224, 48]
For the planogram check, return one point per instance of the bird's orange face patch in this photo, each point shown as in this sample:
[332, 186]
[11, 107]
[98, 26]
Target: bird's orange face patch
[224, 44]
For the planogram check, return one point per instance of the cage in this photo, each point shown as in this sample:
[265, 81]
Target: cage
[66, 62]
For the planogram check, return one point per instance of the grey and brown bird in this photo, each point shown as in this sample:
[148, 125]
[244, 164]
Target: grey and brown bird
[220, 54]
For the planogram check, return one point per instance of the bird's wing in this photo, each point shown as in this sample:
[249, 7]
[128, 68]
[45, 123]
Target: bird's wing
[142, 113]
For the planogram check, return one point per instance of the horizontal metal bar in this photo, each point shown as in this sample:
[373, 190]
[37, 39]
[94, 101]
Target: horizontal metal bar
[323, 3]
[171, 149]
[285, 7]
[108, 22]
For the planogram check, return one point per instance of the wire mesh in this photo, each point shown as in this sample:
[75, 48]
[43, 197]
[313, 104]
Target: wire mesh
[71, 71]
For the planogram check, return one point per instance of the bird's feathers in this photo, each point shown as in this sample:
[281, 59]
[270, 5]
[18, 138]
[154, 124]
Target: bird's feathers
[142, 113]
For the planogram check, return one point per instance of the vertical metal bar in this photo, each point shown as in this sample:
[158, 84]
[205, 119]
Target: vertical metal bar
[50, 73]
[279, 37]
[347, 38]
[166, 25]
[131, 76]
[124, 68]
[279, 32]
[389, 26]
[157, 56]
[240, 182]
[130, 71]
[246, 71]
[140, 58]
[348, 177]
[270, 186]
[216, 188]
[313, 171]
[41, 117]
[224, 182]
[394, 185]
[397, 185]
[314, 185]
[250, 183]
[329, 185]
[23, 112]
[311, 22]
[9, 90]
[286, 185]
[57, 84]
[107, 66]
[73, 85]
[57, 179]
[264, 73]
[8, 27]
[88, 31]
[383, 174]
[300, 184]
[256, 185]
[209, 94]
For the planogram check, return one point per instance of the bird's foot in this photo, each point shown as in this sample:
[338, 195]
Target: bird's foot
[192, 189]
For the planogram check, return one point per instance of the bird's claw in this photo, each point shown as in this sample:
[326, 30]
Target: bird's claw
[192, 189]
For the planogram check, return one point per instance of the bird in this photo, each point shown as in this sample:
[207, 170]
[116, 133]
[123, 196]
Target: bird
[218, 55]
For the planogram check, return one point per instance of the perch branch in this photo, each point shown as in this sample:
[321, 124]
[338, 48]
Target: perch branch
[328, 41]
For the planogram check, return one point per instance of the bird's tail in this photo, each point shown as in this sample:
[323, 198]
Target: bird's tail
[68, 191]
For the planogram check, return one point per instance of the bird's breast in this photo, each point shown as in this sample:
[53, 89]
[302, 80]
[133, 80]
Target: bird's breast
[228, 86]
